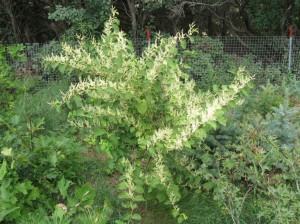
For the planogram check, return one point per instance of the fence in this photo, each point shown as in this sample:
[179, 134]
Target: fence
[265, 57]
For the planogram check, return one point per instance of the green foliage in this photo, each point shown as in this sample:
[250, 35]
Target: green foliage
[36, 167]
[77, 208]
[16, 196]
[264, 15]
[143, 113]
[257, 155]
[7, 75]
[32, 163]
[34, 104]
[87, 20]
[209, 64]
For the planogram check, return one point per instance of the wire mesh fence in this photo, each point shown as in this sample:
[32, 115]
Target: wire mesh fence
[209, 58]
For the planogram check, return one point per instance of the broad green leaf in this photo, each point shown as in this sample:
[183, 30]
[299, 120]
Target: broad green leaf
[208, 185]
[139, 189]
[124, 195]
[59, 212]
[22, 188]
[119, 222]
[136, 216]
[7, 152]
[162, 196]
[78, 101]
[62, 68]
[175, 212]
[3, 169]
[215, 88]
[213, 124]
[192, 39]
[182, 218]
[139, 198]
[142, 107]
[119, 61]
[34, 194]
[54, 65]
[122, 186]
[63, 185]
[6, 212]
[183, 43]
[53, 159]
[100, 132]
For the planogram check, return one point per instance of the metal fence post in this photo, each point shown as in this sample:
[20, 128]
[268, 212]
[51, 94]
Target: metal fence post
[290, 49]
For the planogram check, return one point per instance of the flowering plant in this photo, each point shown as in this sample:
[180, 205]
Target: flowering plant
[143, 112]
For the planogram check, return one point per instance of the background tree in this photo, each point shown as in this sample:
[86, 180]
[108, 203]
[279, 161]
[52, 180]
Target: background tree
[28, 21]
[239, 17]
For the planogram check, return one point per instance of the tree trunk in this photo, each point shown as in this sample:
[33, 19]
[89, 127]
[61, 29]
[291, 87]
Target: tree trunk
[132, 11]
[9, 9]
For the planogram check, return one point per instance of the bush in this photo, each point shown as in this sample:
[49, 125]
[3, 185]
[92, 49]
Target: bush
[143, 113]
[257, 156]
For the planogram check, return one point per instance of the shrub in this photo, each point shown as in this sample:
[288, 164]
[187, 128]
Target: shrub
[143, 113]
[7, 75]
[257, 156]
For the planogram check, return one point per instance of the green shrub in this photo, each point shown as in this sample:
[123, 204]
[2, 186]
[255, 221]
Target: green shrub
[209, 64]
[34, 104]
[257, 156]
[7, 75]
[143, 113]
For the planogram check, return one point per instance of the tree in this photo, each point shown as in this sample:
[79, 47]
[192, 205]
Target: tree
[27, 21]
[138, 11]
[241, 17]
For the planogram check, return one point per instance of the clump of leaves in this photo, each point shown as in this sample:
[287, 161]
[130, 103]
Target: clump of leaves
[257, 155]
[144, 113]
[7, 75]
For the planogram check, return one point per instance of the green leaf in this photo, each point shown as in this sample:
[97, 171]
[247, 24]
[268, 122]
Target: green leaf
[100, 132]
[6, 212]
[3, 169]
[213, 124]
[175, 212]
[229, 163]
[182, 218]
[142, 107]
[63, 186]
[54, 65]
[34, 194]
[192, 39]
[215, 88]
[123, 186]
[84, 192]
[183, 43]
[208, 185]
[22, 188]
[139, 198]
[62, 68]
[124, 195]
[222, 120]
[139, 189]
[119, 60]
[136, 216]
[162, 196]
[7, 152]
[78, 101]
[53, 159]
